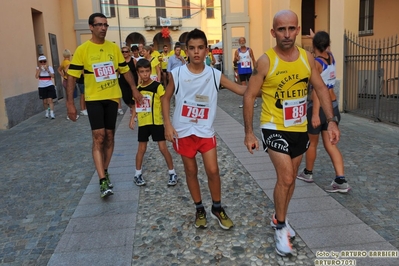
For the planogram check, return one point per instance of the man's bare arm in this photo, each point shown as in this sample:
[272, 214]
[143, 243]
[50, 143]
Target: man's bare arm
[135, 92]
[253, 90]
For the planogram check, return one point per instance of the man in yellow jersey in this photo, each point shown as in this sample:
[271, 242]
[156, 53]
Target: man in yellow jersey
[101, 61]
[281, 76]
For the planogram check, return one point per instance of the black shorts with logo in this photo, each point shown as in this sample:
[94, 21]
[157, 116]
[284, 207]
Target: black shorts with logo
[291, 143]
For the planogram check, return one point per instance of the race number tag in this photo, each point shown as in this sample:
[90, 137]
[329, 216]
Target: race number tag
[104, 71]
[196, 112]
[294, 112]
[146, 106]
[245, 64]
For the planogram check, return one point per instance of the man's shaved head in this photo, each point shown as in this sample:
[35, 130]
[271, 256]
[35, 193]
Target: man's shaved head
[284, 14]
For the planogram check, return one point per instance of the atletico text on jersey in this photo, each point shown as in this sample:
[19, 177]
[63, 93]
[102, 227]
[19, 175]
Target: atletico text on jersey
[101, 64]
[285, 92]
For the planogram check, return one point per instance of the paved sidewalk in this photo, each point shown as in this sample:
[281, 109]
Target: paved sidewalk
[52, 213]
[153, 225]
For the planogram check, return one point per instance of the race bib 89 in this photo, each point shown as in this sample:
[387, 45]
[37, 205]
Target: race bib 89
[294, 112]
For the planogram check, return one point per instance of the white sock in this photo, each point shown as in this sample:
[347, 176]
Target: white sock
[138, 172]
[172, 171]
[51, 112]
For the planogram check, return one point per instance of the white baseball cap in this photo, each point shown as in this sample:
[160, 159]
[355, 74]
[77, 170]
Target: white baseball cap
[41, 58]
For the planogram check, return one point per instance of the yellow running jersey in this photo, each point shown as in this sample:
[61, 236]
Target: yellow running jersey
[101, 63]
[284, 93]
[152, 114]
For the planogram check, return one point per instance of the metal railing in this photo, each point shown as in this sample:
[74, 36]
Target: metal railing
[371, 72]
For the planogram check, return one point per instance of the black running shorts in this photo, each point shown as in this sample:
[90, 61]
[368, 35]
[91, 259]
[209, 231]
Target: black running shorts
[291, 143]
[102, 114]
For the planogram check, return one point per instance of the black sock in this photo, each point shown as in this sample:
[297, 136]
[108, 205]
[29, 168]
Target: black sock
[280, 224]
[216, 205]
[105, 171]
[340, 179]
[198, 205]
[102, 180]
[307, 172]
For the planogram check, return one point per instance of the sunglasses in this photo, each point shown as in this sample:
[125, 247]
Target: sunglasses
[125, 51]
[42, 61]
[100, 25]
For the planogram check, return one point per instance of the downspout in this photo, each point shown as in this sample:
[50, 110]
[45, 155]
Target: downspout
[119, 24]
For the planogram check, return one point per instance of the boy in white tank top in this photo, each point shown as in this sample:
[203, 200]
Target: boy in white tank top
[195, 87]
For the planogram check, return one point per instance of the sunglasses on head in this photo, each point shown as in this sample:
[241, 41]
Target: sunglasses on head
[125, 51]
[43, 61]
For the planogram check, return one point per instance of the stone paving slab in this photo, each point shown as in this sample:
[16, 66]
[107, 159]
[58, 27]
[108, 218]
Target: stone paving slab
[32, 224]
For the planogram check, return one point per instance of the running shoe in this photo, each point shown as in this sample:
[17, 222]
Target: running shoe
[255, 105]
[273, 224]
[172, 180]
[110, 185]
[77, 117]
[335, 187]
[224, 220]
[105, 190]
[120, 111]
[47, 114]
[138, 180]
[241, 106]
[200, 219]
[83, 112]
[283, 243]
[52, 115]
[305, 177]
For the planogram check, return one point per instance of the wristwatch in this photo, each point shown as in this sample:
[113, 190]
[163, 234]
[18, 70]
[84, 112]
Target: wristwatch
[333, 119]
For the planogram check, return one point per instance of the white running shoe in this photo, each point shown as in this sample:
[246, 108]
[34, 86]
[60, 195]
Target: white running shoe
[273, 224]
[172, 180]
[282, 239]
[120, 111]
[83, 112]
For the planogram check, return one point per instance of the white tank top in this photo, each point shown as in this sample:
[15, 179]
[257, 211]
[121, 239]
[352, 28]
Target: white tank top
[196, 101]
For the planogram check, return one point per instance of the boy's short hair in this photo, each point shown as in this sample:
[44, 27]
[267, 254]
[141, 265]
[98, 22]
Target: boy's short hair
[143, 63]
[196, 34]
[134, 48]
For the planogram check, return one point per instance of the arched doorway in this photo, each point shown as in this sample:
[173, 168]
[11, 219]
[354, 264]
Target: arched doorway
[134, 38]
[160, 41]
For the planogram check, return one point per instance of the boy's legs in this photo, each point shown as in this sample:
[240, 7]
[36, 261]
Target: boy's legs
[142, 148]
[212, 171]
[191, 170]
[166, 154]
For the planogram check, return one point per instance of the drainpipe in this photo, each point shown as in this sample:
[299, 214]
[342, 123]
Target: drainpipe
[119, 23]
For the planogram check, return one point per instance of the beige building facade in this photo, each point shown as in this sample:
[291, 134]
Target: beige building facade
[29, 28]
[49, 26]
[253, 20]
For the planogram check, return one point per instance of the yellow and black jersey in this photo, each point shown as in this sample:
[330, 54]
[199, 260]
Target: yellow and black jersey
[152, 94]
[101, 64]
[284, 93]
